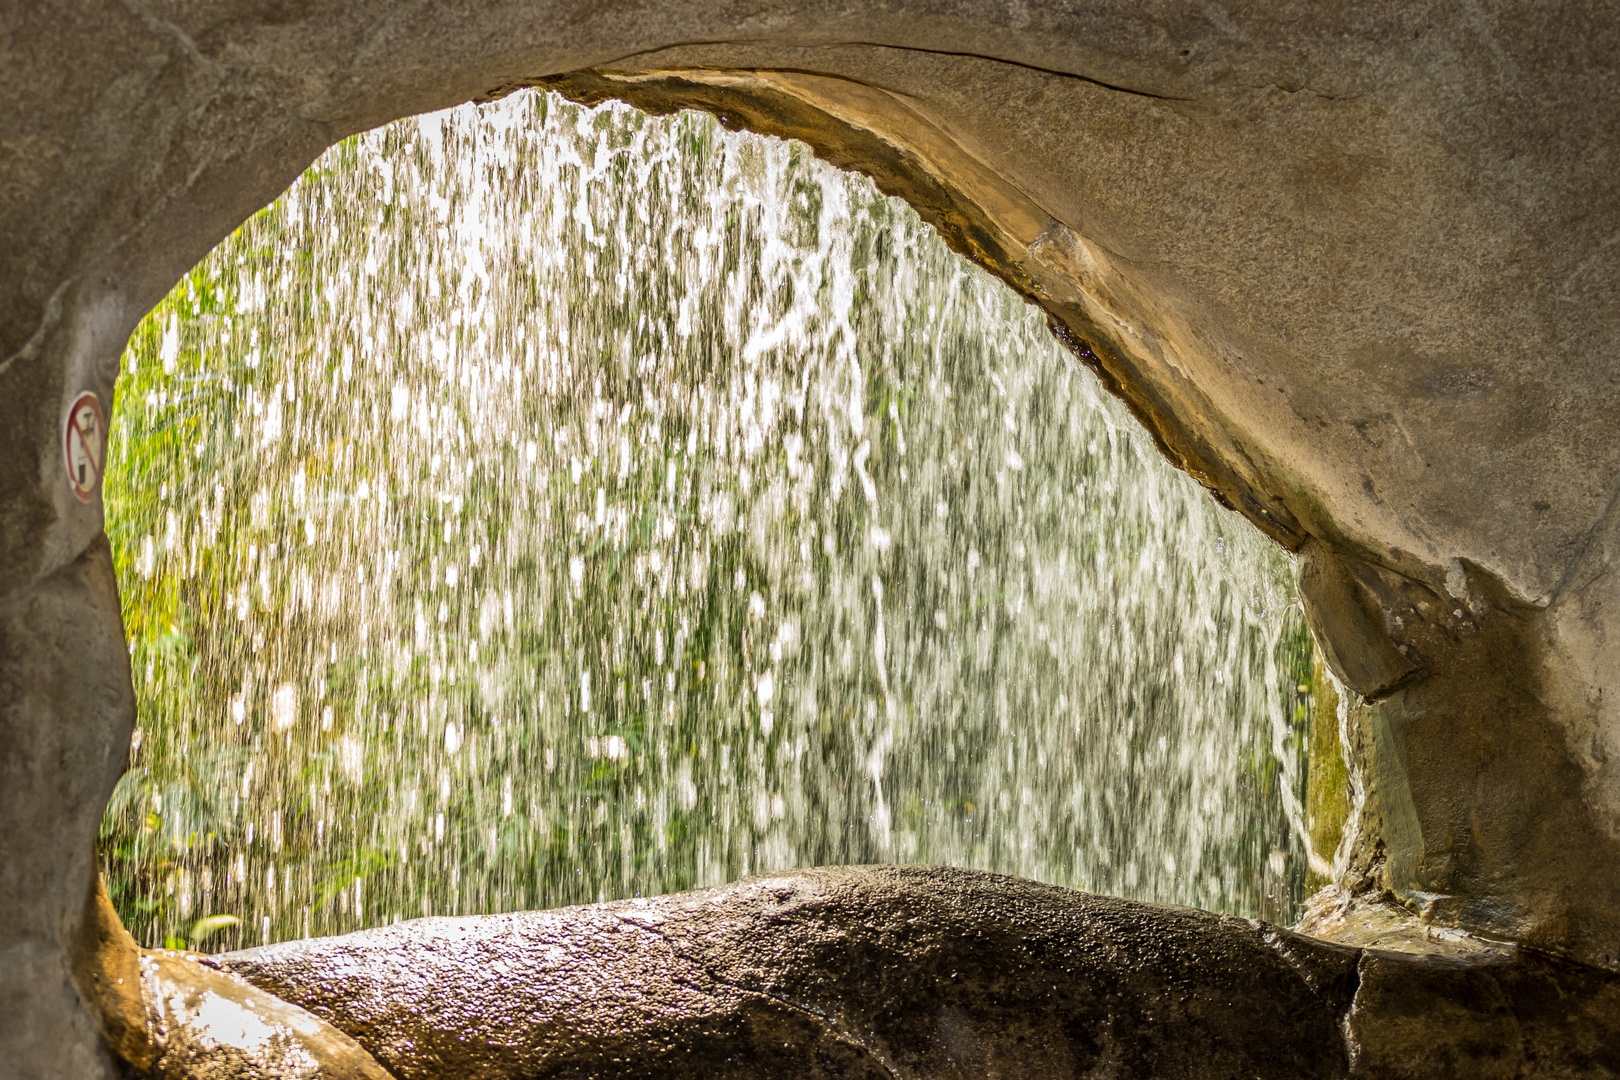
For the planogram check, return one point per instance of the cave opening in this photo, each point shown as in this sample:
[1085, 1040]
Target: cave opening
[542, 505]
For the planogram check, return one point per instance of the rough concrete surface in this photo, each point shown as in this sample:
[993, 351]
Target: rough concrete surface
[66, 714]
[1356, 267]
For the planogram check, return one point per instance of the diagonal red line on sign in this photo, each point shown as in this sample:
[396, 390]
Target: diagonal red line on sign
[95, 465]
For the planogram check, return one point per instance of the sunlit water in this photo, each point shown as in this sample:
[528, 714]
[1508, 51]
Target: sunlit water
[540, 505]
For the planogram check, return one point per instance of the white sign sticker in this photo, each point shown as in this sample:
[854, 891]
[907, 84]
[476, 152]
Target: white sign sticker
[84, 445]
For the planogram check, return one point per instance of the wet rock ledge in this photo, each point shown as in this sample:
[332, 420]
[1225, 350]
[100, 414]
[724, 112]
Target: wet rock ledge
[888, 972]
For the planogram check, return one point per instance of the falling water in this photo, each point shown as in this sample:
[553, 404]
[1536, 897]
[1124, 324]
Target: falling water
[540, 505]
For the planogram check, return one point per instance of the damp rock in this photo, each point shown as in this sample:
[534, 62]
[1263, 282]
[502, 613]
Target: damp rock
[884, 971]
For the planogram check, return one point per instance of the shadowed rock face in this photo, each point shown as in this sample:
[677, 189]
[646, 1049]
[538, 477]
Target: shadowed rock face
[66, 712]
[1356, 268]
[927, 973]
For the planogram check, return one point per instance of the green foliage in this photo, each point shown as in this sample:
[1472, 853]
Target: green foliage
[339, 408]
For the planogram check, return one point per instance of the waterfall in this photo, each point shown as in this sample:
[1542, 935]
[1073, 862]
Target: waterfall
[539, 505]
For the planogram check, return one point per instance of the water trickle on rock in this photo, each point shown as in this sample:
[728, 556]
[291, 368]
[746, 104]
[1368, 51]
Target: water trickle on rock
[540, 505]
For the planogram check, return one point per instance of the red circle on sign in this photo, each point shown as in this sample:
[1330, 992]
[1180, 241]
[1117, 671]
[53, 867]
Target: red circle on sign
[84, 445]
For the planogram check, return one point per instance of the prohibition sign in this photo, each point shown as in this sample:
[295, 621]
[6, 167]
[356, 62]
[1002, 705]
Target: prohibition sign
[84, 445]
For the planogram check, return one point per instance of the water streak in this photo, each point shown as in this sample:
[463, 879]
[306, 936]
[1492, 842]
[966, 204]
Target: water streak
[540, 505]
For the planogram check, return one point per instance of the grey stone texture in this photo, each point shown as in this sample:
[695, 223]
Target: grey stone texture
[67, 710]
[1356, 267]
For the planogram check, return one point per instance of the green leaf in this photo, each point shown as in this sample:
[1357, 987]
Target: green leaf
[209, 925]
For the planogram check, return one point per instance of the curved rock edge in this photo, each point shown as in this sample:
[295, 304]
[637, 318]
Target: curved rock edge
[888, 971]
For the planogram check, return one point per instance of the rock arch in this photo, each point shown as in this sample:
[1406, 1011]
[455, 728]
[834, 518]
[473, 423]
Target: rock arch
[1356, 270]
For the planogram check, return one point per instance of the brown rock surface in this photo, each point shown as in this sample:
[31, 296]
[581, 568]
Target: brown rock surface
[207, 1024]
[925, 972]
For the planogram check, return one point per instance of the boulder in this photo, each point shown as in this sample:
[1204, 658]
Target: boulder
[929, 972]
